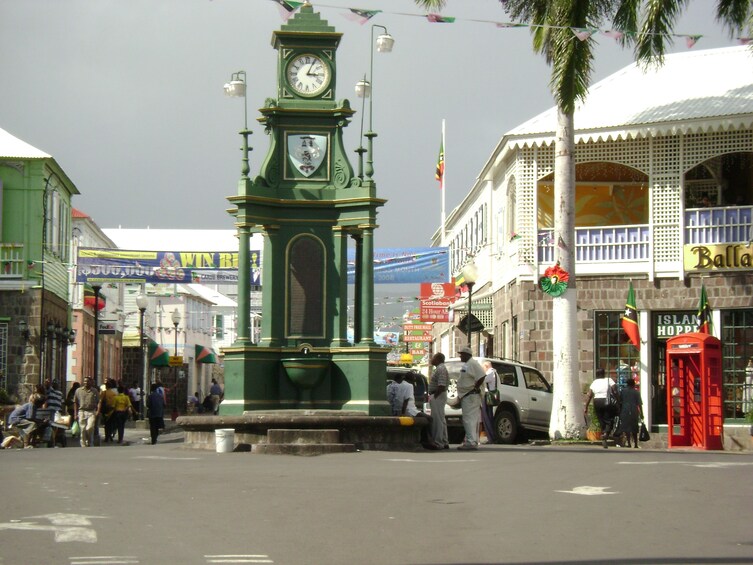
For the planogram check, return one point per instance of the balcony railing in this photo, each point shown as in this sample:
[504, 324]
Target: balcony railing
[12, 264]
[602, 244]
[705, 226]
[718, 225]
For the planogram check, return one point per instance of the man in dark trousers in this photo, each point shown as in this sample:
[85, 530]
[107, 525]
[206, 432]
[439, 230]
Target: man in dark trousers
[155, 405]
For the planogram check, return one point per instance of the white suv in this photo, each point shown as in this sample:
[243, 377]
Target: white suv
[526, 398]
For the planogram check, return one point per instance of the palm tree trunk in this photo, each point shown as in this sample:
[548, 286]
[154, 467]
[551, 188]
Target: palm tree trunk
[567, 414]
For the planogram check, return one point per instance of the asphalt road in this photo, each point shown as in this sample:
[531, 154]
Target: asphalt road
[166, 504]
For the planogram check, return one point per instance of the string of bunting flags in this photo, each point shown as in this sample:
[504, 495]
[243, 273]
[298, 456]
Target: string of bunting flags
[360, 16]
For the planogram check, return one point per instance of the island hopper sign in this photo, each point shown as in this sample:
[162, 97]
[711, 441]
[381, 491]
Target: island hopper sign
[723, 257]
[391, 265]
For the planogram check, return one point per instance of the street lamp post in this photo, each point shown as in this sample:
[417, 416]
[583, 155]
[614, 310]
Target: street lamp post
[470, 273]
[364, 88]
[176, 320]
[141, 303]
[237, 88]
[96, 288]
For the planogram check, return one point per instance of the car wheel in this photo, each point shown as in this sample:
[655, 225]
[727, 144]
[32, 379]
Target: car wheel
[506, 426]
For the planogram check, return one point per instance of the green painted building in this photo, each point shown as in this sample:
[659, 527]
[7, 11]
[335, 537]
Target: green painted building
[35, 234]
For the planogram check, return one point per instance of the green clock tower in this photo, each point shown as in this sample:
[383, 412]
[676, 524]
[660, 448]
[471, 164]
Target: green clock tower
[311, 208]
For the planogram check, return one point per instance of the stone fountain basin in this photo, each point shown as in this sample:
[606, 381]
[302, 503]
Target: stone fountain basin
[305, 372]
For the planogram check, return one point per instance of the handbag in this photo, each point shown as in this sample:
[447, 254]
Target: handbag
[643, 435]
[613, 399]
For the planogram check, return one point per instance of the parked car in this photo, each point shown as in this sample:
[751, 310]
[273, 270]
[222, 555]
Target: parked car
[526, 398]
[420, 384]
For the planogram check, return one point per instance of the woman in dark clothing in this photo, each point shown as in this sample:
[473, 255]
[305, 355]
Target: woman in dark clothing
[155, 404]
[631, 413]
[69, 398]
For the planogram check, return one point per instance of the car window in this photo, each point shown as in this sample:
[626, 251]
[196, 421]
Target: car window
[534, 380]
[507, 375]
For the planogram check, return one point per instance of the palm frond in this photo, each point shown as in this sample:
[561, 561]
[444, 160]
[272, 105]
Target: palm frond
[431, 4]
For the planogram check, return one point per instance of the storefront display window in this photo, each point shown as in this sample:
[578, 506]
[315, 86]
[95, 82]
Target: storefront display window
[737, 352]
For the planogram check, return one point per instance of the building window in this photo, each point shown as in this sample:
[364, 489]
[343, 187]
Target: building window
[614, 353]
[219, 329]
[737, 343]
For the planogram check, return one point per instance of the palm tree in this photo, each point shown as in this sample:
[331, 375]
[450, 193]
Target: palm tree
[647, 26]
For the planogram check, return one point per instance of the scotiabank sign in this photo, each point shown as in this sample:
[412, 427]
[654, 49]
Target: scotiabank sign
[436, 299]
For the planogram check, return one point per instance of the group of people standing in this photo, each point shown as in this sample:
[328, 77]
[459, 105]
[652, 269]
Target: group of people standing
[469, 384]
[114, 406]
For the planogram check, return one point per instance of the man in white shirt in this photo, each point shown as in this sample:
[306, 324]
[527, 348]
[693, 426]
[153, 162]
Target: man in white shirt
[472, 375]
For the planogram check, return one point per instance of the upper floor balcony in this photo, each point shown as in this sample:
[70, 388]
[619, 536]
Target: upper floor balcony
[12, 263]
[611, 249]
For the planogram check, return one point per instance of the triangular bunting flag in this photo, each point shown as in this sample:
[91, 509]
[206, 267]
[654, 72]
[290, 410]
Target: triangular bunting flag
[437, 19]
[360, 16]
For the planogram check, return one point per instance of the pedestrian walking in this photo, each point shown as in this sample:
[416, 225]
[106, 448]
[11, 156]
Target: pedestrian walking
[54, 396]
[438, 383]
[155, 405]
[136, 394]
[217, 394]
[631, 412]
[469, 391]
[600, 389]
[122, 408]
[86, 410]
[491, 382]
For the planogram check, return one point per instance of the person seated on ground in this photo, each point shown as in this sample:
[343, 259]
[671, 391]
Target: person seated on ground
[24, 418]
[194, 403]
[208, 405]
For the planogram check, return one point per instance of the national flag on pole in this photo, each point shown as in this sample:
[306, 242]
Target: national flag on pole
[630, 320]
[439, 175]
[704, 313]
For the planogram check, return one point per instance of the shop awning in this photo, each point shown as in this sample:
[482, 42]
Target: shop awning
[90, 296]
[205, 354]
[158, 355]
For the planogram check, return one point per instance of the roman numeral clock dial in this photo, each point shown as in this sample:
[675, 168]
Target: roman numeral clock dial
[308, 75]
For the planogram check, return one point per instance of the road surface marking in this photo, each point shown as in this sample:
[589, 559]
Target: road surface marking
[238, 559]
[66, 527]
[104, 560]
[432, 460]
[709, 465]
[587, 491]
[167, 458]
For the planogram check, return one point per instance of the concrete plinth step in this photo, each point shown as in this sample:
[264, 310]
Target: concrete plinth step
[302, 437]
[302, 448]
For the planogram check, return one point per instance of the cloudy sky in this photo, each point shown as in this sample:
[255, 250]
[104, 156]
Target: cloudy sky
[127, 96]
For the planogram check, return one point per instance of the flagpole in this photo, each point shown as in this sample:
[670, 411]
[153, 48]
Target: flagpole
[443, 187]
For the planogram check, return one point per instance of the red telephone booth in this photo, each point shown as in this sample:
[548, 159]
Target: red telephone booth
[694, 394]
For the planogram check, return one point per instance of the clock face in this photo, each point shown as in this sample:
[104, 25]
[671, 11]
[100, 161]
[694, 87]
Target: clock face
[308, 75]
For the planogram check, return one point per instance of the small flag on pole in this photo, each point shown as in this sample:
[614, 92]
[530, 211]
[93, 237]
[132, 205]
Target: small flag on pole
[704, 313]
[439, 175]
[630, 320]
